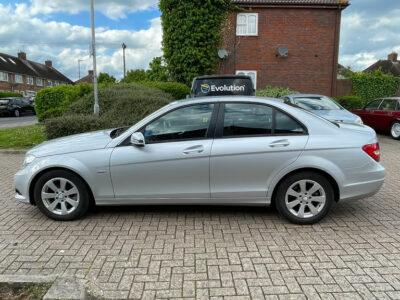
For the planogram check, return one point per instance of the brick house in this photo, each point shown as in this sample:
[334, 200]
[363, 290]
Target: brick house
[391, 65]
[17, 74]
[87, 79]
[289, 43]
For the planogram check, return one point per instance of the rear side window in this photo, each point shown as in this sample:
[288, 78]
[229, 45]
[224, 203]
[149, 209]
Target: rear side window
[388, 105]
[247, 119]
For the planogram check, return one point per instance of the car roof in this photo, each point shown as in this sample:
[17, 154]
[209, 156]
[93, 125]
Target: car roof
[304, 95]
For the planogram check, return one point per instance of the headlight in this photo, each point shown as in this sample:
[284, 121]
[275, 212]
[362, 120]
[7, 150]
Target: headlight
[359, 121]
[28, 159]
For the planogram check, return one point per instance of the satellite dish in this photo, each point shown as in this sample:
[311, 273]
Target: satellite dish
[283, 52]
[223, 54]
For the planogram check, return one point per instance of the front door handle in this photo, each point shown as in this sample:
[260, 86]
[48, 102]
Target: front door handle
[280, 143]
[194, 149]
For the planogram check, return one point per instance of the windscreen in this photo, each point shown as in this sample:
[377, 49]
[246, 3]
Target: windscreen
[222, 87]
[316, 103]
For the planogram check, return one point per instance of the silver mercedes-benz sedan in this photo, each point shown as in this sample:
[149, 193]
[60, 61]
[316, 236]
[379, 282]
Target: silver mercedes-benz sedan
[213, 151]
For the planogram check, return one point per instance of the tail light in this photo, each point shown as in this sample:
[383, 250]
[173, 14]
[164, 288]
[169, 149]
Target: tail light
[373, 150]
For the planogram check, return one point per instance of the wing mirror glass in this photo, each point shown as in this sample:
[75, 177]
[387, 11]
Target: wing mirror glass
[137, 139]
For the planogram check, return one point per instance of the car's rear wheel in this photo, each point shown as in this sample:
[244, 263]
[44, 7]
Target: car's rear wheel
[17, 113]
[304, 198]
[395, 130]
[61, 195]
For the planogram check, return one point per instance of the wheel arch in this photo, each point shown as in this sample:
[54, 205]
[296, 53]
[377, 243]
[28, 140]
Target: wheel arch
[329, 177]
[39, 174]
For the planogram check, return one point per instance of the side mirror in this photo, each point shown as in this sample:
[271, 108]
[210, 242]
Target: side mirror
[137, 139]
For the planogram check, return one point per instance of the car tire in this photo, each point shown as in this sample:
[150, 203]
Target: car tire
[17, 113]
[304, 198]
[61, 195]
[395, 130]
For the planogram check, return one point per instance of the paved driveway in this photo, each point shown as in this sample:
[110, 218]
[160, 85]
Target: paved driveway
[8, 122]
[203, 252]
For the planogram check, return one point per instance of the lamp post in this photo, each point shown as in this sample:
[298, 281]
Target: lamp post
[96, 97]
[123, 53]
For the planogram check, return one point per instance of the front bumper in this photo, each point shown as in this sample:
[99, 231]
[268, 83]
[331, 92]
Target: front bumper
[22, 181]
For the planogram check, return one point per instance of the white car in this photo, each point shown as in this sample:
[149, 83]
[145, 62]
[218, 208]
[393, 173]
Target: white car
[214, 151]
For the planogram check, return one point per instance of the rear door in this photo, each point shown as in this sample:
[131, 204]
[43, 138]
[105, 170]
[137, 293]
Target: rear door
[384, 115]
[253, 142]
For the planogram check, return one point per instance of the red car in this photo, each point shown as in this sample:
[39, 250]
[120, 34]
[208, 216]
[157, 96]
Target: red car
[382, 114]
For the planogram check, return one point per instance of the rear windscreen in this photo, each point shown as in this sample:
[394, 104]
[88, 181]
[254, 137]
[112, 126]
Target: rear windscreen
[222, 87]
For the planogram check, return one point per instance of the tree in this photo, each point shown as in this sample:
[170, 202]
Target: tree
[158, 70]
[135, 76]
[106, 78]
[191, 35]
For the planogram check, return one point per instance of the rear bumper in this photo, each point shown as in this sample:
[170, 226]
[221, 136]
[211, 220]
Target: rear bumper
[364, 189]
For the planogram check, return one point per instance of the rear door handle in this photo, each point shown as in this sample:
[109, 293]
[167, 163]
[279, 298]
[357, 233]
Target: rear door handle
[280, 143]
[194, 149]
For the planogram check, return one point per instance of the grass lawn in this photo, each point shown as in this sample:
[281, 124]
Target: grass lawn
[21, 138]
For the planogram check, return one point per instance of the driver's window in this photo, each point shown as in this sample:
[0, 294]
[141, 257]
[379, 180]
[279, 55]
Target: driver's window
[187, 123]
[373, 105]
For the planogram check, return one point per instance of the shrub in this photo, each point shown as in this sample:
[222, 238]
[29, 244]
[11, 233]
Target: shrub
[51, 113]
[57, 99]
[370, 86]
[350, 102]
[9, 94]
[275, 92]
[177, 90]
[120, 105]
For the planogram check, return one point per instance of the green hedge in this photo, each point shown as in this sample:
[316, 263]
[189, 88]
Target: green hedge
[120, 105]
[51, 102]
[370, 86]
[350, 102]
[275, 92]
[178, 90]
[9, 94]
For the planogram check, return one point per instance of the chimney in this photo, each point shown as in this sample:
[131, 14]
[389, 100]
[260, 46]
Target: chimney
[22, 55]
[393, 57]
[48, 63]
[91, 72]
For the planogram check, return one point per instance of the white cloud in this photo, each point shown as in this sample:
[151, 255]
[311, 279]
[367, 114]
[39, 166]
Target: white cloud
[114, 9]
[65, 43]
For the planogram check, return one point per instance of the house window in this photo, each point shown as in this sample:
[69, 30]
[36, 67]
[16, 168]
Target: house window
[18, 79]
[247, 25]
[39, 81]
[29, 80]
[49, 83]
[252, 74]
[3, 76]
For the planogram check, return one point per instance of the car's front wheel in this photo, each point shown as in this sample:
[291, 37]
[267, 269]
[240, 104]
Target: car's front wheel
[61, 195]
[395, 130]
[304, 198]
[17, 113]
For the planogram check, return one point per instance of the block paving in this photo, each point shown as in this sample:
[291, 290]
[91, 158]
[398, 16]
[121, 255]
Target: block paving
[212, 252]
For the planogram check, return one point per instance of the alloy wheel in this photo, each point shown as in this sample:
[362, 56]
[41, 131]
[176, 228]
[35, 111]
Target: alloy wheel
[60, 196]
[395, 130]
[305, 198]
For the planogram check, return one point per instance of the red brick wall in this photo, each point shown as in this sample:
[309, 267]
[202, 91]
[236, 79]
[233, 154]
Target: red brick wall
[309, 34]
[21, 87]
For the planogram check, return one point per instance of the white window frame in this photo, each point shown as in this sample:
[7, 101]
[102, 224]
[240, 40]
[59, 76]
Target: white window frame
[20, 77]
[249, 73]
[49, 83]
[30, 80]
[246, 24]
[39, 81]
[4, 76]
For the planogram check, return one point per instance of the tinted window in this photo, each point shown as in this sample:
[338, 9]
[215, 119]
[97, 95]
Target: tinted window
[388, 105]
[25, 102]
[182, 124]
[247, 119]
[373, 105]
[286, 125]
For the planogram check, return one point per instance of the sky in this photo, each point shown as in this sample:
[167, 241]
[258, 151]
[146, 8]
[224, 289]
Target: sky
[59, 30]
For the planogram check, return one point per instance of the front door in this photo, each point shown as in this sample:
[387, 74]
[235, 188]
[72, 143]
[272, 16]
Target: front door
[253, 142]
[174, 163]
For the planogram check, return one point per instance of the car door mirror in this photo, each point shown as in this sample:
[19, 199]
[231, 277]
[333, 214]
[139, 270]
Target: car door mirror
[137, 139]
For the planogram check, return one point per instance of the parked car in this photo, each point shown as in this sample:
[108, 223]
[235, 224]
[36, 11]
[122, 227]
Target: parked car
[382, 114]
[324, 107]
[222, 85]
[15, 107]
[214, 150]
